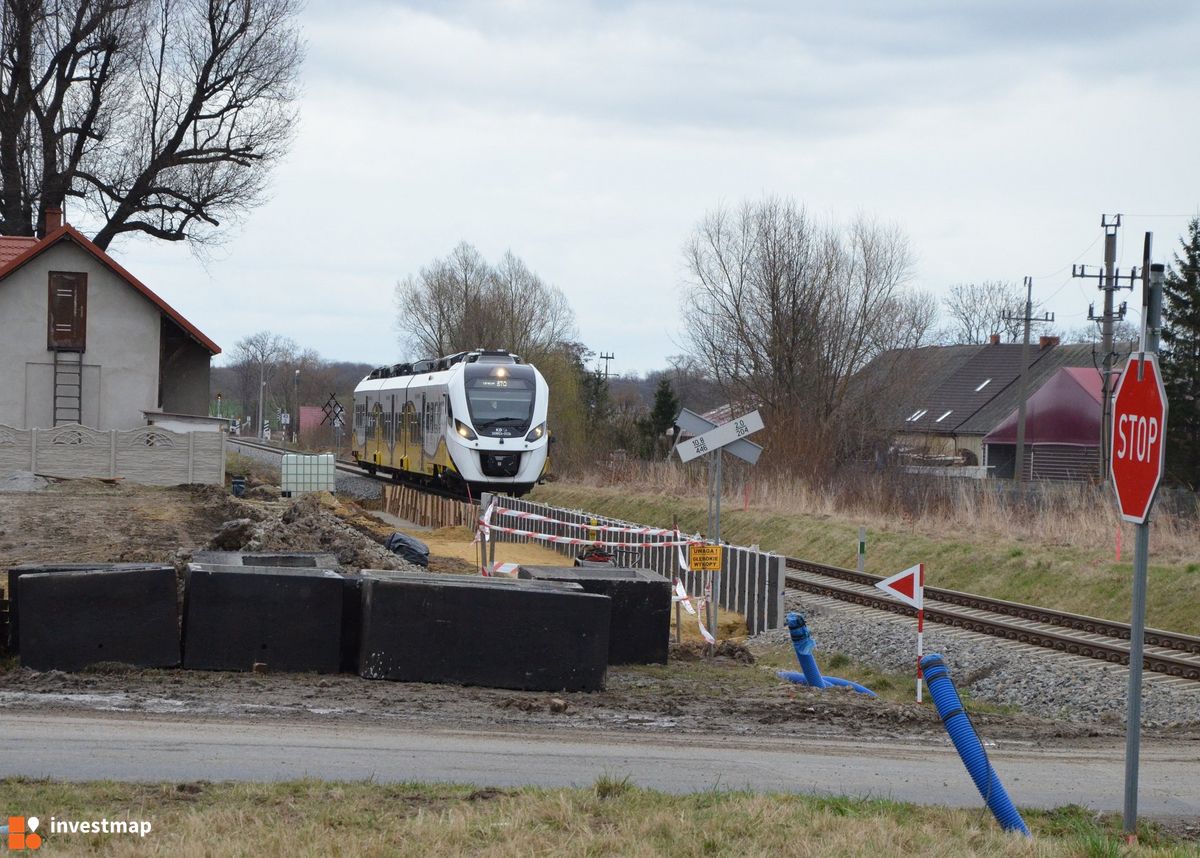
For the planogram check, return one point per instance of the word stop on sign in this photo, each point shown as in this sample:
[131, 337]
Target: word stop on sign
[1136, 437]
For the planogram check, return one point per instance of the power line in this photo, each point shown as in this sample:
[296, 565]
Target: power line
[1108, 279]
[1027, 319]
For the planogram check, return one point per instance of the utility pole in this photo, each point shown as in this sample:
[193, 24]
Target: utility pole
[1023, 383]
[606, 357]
[1109, 281]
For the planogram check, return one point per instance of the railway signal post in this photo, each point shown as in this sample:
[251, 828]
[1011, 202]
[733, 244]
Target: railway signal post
[1136, 460]
[710, 441]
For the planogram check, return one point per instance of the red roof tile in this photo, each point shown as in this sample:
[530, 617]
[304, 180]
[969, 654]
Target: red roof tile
[12, 246]
[32, 248]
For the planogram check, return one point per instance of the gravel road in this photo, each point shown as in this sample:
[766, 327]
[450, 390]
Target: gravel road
[148, 749]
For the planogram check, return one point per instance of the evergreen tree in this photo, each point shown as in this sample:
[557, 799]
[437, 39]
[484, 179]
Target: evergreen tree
[661, 418]
[1180, 359]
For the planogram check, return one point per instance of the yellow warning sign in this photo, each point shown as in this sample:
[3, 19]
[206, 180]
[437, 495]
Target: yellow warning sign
[704, 558]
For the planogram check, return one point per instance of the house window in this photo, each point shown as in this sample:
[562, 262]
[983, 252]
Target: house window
[985, 383]
[943, 417]
[67, 316]
[917, 415]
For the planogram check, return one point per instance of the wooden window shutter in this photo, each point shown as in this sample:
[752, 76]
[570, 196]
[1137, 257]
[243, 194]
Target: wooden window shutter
[67, 311]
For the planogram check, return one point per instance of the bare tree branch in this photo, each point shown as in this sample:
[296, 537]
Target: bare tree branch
[164, 116]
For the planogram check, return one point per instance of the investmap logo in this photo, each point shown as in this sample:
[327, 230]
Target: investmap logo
[22, 833]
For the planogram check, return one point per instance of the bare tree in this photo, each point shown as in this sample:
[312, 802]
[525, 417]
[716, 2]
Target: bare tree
[978, 310]
[261, 352]
[783, 310]
[461, 303]
[164, 116]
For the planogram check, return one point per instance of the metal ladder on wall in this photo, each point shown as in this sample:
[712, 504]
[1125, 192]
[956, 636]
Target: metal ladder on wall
[68, 387]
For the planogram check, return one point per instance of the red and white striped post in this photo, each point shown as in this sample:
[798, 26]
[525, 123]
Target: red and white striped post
[909, 587]
[920, 627]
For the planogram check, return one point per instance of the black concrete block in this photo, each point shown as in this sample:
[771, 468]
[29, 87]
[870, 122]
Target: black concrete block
[641, 607]
[70, 619]
[15, 573]
[529, 635]
[277, 559]
[287, 618]
[351, 623]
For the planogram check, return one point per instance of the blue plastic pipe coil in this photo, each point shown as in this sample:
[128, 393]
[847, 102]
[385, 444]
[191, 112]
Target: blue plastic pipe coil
[804, 645]
[966, 742]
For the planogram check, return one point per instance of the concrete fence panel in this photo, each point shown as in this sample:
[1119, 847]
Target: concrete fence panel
[148, 455]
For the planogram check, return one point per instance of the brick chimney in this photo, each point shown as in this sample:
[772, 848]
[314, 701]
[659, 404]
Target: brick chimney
[54, 219]
[994, 339]
[1046, 342]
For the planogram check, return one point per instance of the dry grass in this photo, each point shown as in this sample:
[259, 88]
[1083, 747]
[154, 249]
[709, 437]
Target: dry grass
[613, 817]
[1054, 548]
[1071, 514]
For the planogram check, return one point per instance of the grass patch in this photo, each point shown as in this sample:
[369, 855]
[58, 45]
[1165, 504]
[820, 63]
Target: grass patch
[613, 817]
[992, 559]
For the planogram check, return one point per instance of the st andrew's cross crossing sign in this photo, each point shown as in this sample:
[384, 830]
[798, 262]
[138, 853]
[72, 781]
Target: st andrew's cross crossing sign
[720, 436]
[1138, 451]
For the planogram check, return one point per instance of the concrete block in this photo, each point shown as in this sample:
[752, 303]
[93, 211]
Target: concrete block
[74, 618]
[293, 559]
[641, 607]
[285, 617]
[528, 635]
[15, 573]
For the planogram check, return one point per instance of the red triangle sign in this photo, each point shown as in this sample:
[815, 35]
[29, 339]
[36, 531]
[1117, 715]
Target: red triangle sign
[907, 586]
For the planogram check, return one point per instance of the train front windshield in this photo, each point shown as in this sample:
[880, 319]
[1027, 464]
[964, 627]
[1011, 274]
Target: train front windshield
[497, 403]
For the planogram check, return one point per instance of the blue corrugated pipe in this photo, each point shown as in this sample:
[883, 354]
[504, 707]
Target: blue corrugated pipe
[962, 734]
[804, 644]
[799, 678]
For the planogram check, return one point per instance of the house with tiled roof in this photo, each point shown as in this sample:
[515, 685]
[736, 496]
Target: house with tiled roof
[84, 341]
[950, 398]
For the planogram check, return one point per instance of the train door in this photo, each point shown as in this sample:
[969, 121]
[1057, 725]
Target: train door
[392, 431]
[421, 416]
[377, 427]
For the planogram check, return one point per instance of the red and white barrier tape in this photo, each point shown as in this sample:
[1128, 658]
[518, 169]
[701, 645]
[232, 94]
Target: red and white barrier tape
[574, 540]
[607, 528]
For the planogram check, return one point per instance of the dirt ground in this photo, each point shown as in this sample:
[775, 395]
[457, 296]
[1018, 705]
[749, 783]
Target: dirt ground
[735, 694]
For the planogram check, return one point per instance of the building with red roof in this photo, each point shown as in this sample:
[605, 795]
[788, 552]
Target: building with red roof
[84, 341]
[1062, 430]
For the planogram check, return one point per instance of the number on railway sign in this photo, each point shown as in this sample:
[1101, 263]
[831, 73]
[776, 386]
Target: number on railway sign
[721, 436]
[1139, 426]
[704, 558]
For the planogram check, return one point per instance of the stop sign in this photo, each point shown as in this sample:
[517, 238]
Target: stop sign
[1138, 429]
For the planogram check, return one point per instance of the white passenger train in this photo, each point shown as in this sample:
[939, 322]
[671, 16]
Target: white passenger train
[471, 422]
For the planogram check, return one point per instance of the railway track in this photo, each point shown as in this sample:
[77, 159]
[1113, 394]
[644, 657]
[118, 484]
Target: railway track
[1167, 653]
[345, 467]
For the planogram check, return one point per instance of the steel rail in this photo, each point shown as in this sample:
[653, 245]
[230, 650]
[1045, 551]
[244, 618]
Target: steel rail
[1078, 622]
[1064, 641]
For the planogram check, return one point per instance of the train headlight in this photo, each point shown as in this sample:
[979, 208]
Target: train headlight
[536, 432]
[464, 430]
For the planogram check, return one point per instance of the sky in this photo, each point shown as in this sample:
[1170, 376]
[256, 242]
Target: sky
[589, 138]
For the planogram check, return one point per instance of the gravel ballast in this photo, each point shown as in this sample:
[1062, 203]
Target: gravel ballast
[993, 670]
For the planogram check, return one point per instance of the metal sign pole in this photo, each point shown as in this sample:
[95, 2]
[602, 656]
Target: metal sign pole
[1151, 316]
[710, 441]
[716, 575]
